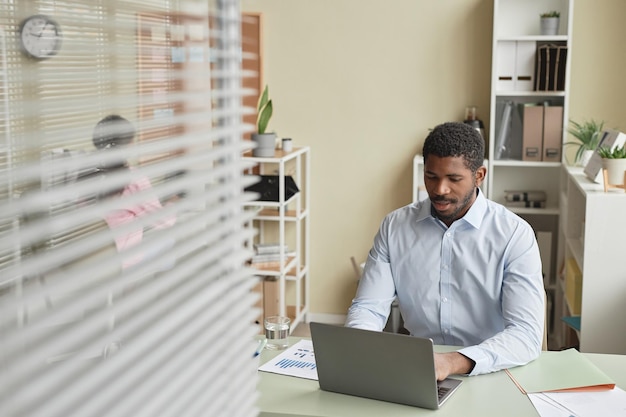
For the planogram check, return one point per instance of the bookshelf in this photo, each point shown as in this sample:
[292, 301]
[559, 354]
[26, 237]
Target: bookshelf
[529, 115]
[591, 244]
[285, 223]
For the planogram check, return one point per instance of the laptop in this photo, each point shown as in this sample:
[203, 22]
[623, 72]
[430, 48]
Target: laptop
[383, 366]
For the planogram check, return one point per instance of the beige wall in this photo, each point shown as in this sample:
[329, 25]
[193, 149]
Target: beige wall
[362, 81]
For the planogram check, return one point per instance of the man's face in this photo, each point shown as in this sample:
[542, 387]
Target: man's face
[451, 186]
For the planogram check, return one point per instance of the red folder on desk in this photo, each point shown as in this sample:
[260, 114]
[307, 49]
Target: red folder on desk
[567, 370]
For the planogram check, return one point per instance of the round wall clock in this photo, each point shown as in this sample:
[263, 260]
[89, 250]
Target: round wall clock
[40, 37]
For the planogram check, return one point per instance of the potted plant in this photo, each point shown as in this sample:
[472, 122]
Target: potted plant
[587, 137]
[614, 162]
[266, 142]
[549, 22]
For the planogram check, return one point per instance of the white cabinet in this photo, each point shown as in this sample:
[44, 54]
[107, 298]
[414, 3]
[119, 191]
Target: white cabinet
[284, 222]
[593, 241]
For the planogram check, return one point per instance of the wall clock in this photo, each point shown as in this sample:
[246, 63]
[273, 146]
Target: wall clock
[40, 37]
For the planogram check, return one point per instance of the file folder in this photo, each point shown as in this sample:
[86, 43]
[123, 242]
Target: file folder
[525, 65]
[505, 66]
[566, 370]
[552, 133]
[532, 132]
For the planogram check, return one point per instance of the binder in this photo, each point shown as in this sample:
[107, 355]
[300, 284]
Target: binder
[553, 62]
[506, 66]
[516, 65]
[541, 71]
[561, 66]
[503, 130]
[525, 65]
[550, 67]
[552, 133]
[532, 132]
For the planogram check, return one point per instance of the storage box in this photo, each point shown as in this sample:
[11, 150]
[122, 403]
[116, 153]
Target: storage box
[269, 301]
[573, 286]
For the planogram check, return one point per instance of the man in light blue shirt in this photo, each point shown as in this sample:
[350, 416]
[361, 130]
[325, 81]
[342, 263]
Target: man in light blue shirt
[465, 270]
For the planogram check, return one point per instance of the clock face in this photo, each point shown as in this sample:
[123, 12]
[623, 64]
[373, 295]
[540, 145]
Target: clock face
[40, 37]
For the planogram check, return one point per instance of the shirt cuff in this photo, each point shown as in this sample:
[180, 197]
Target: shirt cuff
[481, 360]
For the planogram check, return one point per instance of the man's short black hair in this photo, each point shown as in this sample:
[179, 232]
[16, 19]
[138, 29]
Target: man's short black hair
[456, 139]
[113, 130]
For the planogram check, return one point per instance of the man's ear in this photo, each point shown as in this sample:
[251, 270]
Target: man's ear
[481, 173]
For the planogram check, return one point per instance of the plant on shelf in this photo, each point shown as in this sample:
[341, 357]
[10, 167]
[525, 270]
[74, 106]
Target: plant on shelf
[606, 152]
[551, 13]
[614, 163]
[549, 22]
[266, 142]
[587, 135]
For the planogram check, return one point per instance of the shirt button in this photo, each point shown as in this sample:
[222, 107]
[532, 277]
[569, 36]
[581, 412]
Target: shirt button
[448, 234]
[444, 299]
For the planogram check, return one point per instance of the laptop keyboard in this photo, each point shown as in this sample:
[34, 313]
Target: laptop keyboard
[441, 391]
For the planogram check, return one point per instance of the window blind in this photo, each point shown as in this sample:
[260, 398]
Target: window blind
[123, 286]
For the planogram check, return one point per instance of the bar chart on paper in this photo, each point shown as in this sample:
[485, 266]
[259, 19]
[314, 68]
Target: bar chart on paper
[298, 360]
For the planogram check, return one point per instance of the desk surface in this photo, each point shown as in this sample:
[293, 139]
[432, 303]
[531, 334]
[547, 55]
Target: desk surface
[484, 395]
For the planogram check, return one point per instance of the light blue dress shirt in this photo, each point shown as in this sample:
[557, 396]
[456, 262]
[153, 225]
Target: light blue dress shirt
[476, 284]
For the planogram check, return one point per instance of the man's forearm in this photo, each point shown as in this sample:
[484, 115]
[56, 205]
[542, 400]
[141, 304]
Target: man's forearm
[452, 363]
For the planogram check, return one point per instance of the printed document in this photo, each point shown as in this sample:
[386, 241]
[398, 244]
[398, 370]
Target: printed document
[298, 360]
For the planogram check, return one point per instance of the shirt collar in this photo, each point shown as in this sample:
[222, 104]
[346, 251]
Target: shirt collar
[476, 213]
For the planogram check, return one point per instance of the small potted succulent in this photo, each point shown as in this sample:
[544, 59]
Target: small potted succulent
[550, 22]
[614, 161]
[266, 142]
[586, 136]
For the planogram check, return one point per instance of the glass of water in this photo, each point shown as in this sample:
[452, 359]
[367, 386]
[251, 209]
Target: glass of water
[277, 331]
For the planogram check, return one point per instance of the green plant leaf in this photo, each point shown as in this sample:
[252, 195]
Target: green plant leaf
[263, 99]
[587, 135]
[265, 110]
[265, 115]
[606, 152]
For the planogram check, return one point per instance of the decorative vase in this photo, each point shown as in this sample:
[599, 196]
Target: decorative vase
[549, 26]
[614, 170]
[266, 144]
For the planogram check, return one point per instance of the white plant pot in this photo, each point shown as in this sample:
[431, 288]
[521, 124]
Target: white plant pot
[266, 144]
[549, 26]
[614, 170]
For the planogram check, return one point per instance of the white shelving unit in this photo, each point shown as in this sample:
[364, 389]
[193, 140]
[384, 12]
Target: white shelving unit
[286, 222]
[517, 21]
[592, 228]
[516, 39]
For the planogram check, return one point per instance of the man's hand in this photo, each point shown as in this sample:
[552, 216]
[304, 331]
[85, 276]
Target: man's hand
[452, 363]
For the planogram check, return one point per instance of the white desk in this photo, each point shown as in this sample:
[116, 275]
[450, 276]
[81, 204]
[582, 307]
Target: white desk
[484, 395]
